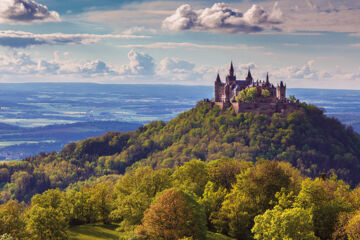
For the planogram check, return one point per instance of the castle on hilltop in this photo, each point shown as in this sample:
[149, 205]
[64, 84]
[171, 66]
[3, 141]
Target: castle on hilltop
[264, 97]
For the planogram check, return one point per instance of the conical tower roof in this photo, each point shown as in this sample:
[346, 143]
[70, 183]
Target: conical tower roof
[218, 78]
[249, 74]
[231, 71]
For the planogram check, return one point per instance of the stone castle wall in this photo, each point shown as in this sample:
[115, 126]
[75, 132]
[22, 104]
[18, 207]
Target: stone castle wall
[267, 107]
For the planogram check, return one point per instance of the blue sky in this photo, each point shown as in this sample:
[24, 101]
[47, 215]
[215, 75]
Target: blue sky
[310, 43]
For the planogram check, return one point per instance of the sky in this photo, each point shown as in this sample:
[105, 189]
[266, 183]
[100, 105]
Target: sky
[307, 44]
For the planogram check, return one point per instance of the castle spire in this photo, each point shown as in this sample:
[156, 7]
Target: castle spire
[231, 71]
[218, 78]
[267, 78]
[249, 74]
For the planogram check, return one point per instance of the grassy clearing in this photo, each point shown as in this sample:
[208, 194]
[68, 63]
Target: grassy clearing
[107, 232]
[94, 232]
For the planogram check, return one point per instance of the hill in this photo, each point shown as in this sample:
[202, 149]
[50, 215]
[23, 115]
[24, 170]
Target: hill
[305, 138]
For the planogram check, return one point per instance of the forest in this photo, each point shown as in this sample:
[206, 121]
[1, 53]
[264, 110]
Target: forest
[225, 197]
[205, 172]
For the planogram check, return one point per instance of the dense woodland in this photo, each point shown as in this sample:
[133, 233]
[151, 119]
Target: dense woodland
[234, 187]
[268, 200]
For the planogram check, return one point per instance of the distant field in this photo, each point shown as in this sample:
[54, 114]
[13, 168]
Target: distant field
[107, 232]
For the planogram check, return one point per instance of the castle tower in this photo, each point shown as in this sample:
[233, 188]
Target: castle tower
[249, 78]
[281, 91]
[227, 93]
[267, 79]
[231, 71]
[231, 78]
[218, 88]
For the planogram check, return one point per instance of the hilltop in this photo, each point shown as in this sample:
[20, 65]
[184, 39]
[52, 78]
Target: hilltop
[306, 138]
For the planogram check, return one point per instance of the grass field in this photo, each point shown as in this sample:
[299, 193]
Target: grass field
[94, 232]
[107, 232]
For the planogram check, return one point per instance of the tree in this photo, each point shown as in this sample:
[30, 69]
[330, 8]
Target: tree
[353, 227]
[191, 177]
[247, 95]
[326, 199]
[265, 93]
[6, 237]
[223, 171]
[279, 224]
[46, 218]
[292, 99]
[212, 199]
[174, 215]
[253, 193]
[103, 202]
[135, 192]
[46, 223]
[347, 227]
[284, 221]
[12, 220]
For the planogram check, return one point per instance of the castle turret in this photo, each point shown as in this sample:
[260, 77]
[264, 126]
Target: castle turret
[218, 88]
[267, 79]
[281, 91]
[231, 78]
[249, 78]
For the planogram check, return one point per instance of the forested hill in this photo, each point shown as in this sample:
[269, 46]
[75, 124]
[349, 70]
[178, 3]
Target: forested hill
[306, 138]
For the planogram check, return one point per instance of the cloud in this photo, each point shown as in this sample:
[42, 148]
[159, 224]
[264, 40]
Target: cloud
[246, 66]
[18, 39]
[355, 45]
[306, 71]
[222, 18]
[19, 63]
[291, 44]
[25, 11]
[171, 45]
[179, 71]
[135, 30]
[96, 67]
[175, 66]
[324, 16]
[140, 64]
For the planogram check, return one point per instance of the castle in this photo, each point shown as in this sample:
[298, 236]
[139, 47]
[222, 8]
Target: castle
[268, 99]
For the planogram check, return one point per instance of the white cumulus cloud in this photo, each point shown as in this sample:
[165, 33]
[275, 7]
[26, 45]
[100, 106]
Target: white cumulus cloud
[25, 11]
[140, 64]
[221, 18]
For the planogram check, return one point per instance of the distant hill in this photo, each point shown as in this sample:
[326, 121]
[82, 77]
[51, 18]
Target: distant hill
[306, 138]
[21, 142]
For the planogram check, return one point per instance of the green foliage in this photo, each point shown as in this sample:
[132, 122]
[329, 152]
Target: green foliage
[46, 223]
[191, 177]
[212, 200]
[305, 138]
[247, 95]
[12, 220]
[326, 199]
[265, 200]
[6, 236]
[292, 99]
[134, 193]
[253, 193]
[265, 93]
[174, 215]
[279, 224]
